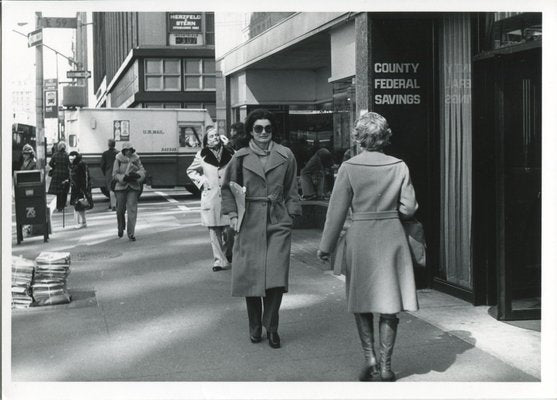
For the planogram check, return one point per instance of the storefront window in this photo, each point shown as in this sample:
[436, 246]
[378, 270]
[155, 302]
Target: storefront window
[344, 114]
[516, 29]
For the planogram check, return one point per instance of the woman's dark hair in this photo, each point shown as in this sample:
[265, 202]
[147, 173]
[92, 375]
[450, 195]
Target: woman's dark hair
[77, 156]
[253, 116]
[238, 127]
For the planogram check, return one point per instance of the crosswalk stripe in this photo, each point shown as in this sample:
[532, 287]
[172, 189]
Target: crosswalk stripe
[173, 201]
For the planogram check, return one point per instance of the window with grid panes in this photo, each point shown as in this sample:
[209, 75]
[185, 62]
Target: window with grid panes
[162, 74]
[199, 74]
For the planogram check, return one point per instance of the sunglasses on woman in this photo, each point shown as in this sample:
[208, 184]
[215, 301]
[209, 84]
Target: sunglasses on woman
[260, 128]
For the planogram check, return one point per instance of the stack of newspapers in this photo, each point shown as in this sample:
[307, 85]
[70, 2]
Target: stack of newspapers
[49, 283]
[22, 275]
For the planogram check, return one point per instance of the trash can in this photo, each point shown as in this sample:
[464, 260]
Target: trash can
[30, 201]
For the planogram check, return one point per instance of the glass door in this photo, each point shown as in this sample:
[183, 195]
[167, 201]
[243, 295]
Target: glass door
[519, 175]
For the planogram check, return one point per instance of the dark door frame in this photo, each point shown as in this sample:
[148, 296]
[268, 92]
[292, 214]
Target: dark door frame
[492, 276]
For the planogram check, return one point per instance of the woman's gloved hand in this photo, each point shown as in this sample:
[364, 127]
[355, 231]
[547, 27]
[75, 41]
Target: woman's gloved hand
[323, 256]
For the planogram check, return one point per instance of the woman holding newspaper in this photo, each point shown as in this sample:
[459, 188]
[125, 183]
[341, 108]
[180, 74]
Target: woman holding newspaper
[263, 176]
[129, 175]
[207, 173]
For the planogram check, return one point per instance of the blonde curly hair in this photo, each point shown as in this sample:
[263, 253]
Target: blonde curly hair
[371, 131]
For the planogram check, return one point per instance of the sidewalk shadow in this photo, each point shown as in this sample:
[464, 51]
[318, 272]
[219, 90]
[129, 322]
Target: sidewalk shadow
[439, 356]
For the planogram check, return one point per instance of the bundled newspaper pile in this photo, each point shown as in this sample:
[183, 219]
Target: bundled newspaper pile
[49, 283]
[22, 275]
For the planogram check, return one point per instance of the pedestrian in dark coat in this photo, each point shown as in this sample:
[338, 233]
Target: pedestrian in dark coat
[261, 254]
[80, 183]
[207, 172]
[107, 164]
[379, 271]
[312, 176]
[60, 182]
[238, 136]
[130, 174]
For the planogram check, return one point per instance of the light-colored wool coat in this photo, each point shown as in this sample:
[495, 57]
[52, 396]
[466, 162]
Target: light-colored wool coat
[379, 276]
[207, 173]
[124, 165]
[261, 254]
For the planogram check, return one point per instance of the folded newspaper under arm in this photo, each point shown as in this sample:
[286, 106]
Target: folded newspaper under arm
[239, 194]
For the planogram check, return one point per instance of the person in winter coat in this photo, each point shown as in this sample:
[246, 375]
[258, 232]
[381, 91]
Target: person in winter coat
[261, 254]
[80, 183]
[59, 184]
[238, 136]
[379, 271]
[107, 164]
[29, 162]
[314, 171]
[130, 174]
[207, 173]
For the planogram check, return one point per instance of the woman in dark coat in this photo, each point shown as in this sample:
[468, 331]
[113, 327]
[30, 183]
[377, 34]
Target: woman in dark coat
[378, 264]
[80, 187]
[59, 184]
[261, 253]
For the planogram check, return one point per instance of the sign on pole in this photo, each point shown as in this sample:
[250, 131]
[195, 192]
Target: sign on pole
[59, 23]
[35, 38]
[78, 74]
[51, 98]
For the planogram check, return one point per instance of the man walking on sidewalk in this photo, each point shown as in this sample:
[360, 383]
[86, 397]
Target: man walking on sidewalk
[107, 163]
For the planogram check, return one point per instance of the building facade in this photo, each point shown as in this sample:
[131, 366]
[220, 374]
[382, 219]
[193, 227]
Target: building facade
[154, 60]
[462, 94]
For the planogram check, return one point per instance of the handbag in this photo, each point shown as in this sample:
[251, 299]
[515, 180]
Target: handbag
[416, 240]
[113, 183]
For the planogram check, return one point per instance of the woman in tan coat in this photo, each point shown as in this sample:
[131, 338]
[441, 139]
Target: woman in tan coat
[207, 173]
[379, 271]
[261, 254]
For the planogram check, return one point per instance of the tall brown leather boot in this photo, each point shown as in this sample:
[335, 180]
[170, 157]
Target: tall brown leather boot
[364, 322]
[387, 336]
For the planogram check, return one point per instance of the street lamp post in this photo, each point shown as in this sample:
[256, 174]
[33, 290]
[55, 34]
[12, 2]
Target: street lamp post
[41, 153]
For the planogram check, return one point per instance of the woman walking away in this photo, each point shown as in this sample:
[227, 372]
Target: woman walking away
[207, 173]
[80, 188]
[129, 173]
[59, 185]
[261, 254]
[29, 162]
[379, 274]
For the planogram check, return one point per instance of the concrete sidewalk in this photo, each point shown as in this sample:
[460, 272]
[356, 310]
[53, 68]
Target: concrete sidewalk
[456, 317]
[154, 311]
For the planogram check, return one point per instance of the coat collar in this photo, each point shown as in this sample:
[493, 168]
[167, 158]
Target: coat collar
[209, 157]
[373, 158]
[123, 159]
[278, 156]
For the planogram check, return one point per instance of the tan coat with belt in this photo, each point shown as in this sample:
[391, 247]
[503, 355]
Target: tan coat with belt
[261, 254]
[379, 276]
[207, 173]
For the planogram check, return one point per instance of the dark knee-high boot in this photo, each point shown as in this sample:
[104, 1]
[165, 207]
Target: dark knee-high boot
[364, 322]
[387, 335]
